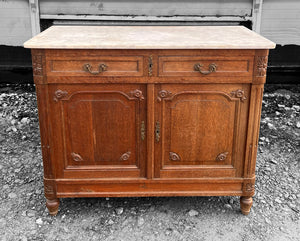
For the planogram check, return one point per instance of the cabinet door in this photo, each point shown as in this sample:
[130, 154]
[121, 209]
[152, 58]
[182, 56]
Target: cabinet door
[98, 130]
[200, 130]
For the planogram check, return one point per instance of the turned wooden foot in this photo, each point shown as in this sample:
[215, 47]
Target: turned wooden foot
[246, 204]
[52, 205]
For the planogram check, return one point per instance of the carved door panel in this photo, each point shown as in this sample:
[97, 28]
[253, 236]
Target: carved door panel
[100, 128]
[199, 130]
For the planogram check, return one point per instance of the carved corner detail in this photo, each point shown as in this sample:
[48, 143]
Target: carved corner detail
[76, 157]
[261, 64]
[37, 64]
[125, 156]
[222, 156]
[249, 187]
[239, 94]
[163, 94]
[137, 94]
[174, 156]
[59, 94]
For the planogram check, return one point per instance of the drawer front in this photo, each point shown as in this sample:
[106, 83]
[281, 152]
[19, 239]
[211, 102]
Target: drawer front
[96, 66]
[202, 66]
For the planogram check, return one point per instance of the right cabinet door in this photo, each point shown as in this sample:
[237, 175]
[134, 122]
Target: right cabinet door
[200, 130]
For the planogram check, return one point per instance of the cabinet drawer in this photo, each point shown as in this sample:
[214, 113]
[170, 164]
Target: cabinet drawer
[96, 66]
[202, 66]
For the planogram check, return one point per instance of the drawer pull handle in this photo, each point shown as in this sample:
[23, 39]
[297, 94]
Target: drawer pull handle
[211, 68]
[88, 68]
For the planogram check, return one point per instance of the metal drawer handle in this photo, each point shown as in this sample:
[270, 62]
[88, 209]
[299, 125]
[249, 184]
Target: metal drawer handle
[88, 68]
[211, 68]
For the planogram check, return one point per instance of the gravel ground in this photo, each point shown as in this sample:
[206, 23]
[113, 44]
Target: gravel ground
[275, 213]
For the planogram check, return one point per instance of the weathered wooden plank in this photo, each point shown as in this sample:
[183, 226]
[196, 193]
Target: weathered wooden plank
[150, 8]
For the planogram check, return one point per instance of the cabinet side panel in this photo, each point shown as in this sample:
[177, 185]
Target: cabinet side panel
[42, 101]
[259, 78]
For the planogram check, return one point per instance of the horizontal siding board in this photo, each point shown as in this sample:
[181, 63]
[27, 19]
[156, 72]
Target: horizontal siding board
[143, 7]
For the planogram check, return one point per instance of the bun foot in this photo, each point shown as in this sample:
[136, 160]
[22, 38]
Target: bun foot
[246, 204]
[52, 205]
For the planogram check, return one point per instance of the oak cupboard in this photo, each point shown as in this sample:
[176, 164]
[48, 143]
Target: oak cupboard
[175, 116]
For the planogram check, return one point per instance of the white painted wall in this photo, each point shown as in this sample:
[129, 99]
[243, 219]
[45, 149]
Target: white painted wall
[15, 25]
[280, 21]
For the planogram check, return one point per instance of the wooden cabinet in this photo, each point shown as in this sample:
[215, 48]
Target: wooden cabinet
[150, 121]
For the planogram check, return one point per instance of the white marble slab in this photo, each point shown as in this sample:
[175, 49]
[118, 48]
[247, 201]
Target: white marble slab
[149, 37]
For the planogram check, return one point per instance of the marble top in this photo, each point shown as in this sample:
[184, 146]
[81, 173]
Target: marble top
[149, 37]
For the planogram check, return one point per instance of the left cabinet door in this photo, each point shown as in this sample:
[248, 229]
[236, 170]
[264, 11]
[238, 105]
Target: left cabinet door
[98, 131]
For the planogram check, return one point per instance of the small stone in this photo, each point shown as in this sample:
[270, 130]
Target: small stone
[152, 209]
[12, 195]
[273, 161]
[38, 191]
[278, 200]
[110, 222]
[228, 206]
[39, 221]
[66, 229]
[298, 124]
[296, 107]
[140, 221]
[268, 221]
[24, 120]
[193, 213]
[119, 210]
[31, 213]
[271, 126]
[168, 231]
[14, 129]
[24, 213]
[5, 186]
